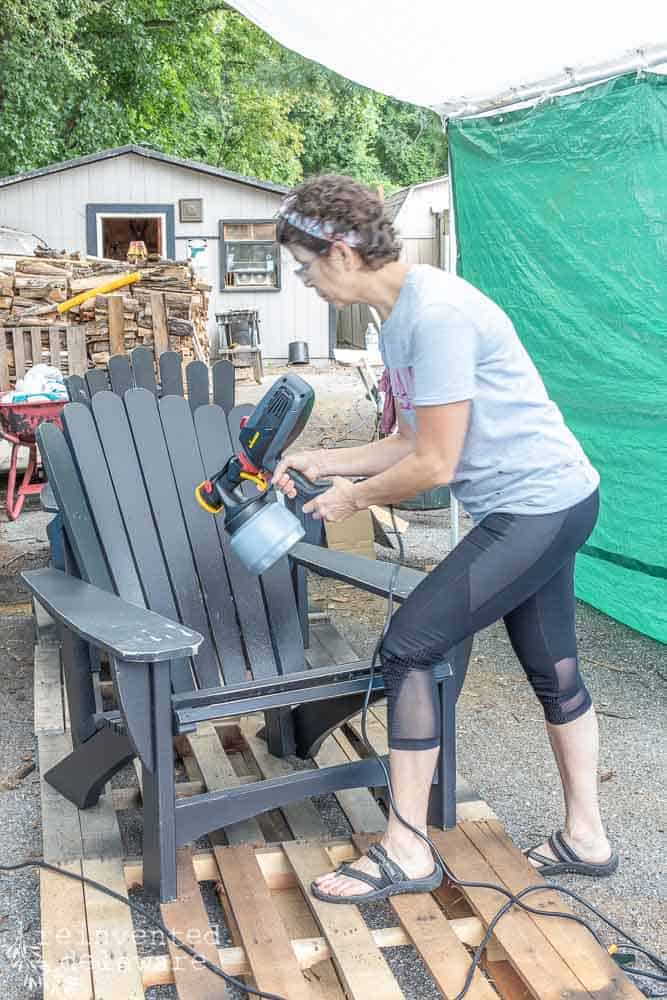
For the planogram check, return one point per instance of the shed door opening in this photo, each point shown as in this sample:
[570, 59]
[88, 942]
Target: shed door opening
[119, 231]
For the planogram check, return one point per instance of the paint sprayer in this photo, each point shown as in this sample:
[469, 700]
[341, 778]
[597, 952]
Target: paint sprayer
[262, 530]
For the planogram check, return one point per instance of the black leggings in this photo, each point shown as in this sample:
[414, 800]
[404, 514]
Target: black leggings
[519, 567]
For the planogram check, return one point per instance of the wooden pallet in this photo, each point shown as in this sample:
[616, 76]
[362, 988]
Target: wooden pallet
[60, 345]
[283, 940]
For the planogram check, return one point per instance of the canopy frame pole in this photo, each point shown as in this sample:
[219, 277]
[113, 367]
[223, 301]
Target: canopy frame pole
[454, 531]
[571, 79]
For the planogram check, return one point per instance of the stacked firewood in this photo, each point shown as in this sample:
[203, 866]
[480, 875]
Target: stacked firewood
[38, 283]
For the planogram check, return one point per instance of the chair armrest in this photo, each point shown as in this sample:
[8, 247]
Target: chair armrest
[367, 574]
[124, 630]
[47, 499]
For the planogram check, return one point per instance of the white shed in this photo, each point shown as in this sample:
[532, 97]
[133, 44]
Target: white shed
[420, 215]
[180, 208]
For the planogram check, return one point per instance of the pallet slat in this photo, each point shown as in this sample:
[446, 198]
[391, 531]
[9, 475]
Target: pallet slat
[596, 970]
[360, 964]
[537, 962]
[266, 942]
[217, 773]
[187, 918]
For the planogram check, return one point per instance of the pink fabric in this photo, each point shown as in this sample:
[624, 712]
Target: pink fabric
[388, 420]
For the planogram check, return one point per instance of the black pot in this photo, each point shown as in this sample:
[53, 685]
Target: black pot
[297, 353]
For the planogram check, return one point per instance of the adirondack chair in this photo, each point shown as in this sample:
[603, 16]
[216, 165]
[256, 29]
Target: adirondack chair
[136, 370]
[189, 633]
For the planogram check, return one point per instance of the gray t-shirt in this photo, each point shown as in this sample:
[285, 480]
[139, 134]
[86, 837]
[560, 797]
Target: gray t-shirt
[444, 342]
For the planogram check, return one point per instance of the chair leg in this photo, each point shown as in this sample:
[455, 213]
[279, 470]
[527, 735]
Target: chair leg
[442, 801]
[159, 794]
[79, 685]
[82, 775]
[279, 732]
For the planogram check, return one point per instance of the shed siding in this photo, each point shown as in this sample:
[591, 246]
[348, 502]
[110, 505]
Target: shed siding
[54, 207]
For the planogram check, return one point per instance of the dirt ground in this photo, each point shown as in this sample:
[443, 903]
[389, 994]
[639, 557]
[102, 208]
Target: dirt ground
[502, 746]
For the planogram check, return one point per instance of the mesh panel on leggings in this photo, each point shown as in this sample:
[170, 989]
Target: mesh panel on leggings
[413, 712]
[572, 699]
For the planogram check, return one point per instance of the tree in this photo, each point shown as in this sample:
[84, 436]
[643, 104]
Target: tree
[198, 80]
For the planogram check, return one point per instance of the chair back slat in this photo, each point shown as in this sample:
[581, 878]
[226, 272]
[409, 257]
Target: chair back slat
[280, 603]
[120, 373]
[216, 448]
[188, 469]
[171, 374]
[224, 391]
[68, 491]
[82, 437]
[77, 390]
[125, 472]
[196, 377]
[234, 418]
[143, 369]
[97, 380]
[144, 419]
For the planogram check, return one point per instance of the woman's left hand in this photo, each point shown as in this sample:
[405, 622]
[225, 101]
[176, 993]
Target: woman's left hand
[337, 504]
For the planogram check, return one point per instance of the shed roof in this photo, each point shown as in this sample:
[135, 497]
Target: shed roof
[394, 203]
[150, 154]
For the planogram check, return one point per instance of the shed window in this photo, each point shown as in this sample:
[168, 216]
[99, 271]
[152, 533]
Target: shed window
[250, 257]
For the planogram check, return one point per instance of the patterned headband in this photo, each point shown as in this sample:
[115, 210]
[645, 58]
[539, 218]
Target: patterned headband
[319, 228]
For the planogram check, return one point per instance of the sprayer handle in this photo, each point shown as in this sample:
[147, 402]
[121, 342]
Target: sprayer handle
[306, 487]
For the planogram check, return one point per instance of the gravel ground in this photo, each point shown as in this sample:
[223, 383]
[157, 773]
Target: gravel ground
[502, 746]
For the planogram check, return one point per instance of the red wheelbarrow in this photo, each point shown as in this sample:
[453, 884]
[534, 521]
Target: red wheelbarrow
[18, 424]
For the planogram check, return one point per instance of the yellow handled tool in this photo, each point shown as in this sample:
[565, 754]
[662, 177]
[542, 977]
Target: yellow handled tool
[107, 286]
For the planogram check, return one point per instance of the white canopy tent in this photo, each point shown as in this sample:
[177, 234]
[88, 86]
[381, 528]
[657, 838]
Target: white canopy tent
[471, 58]
[464, 59]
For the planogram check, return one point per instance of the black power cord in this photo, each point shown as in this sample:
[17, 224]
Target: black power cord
[147, 915]
[513, 899]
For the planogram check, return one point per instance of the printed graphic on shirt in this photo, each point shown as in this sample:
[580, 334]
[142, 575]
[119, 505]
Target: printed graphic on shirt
[403, 386]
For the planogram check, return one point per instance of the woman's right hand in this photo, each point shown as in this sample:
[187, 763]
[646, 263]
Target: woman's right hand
[307, 462]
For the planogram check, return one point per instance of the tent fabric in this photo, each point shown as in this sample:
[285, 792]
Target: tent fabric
[561, 218]
[453, 56]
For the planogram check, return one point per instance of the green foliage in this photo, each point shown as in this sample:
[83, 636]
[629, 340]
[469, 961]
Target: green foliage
[197, 80]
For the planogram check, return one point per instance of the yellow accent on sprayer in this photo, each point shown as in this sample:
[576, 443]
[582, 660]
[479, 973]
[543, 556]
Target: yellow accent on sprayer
[259, 481]
[202, 503]
[253, 440]
[107, 286]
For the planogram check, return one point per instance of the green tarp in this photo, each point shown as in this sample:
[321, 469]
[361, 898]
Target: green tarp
[561, 218]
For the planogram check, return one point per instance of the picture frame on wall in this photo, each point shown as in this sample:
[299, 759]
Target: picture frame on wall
[191, 210]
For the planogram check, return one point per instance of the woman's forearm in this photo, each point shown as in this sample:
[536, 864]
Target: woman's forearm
[365, 460]
[407, 478]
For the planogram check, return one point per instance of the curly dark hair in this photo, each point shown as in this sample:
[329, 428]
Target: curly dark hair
[350, 206]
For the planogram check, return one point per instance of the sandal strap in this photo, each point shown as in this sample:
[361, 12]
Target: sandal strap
[372, 880]
[561, 849]
[392, 872]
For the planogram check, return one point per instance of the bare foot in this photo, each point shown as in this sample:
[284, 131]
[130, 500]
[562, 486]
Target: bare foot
[594, 850]
[414, 858]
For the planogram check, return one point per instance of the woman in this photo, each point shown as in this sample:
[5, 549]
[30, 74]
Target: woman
[473, 413]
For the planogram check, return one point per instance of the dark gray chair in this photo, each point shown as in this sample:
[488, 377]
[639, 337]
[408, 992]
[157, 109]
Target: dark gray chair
[136, 370]
[189, 633]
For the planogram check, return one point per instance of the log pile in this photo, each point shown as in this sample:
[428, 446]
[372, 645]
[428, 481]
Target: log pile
[166, 310]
